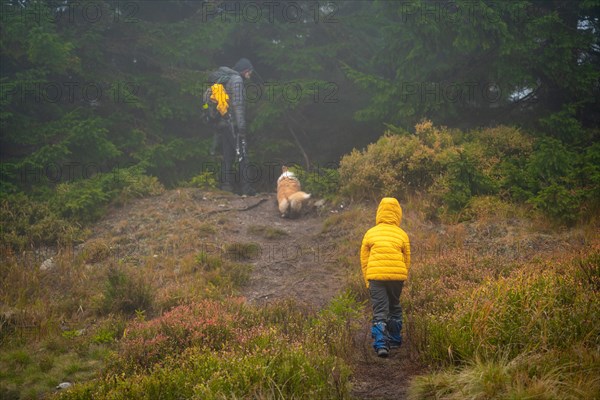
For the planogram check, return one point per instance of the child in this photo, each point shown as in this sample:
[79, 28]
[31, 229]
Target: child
[385, 260]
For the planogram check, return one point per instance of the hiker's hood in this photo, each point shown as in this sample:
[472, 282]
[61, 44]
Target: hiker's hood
[389, 212]
[243, 65]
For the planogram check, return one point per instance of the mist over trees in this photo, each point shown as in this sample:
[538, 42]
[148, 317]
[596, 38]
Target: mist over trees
[94, 87]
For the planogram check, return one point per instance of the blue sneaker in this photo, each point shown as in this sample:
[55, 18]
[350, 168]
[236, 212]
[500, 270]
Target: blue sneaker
[380, 338]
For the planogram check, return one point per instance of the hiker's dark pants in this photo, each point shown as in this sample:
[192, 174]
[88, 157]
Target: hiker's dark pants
[230, 175]
[385, 296]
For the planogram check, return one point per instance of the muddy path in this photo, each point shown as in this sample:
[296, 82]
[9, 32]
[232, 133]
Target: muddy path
[293, 261]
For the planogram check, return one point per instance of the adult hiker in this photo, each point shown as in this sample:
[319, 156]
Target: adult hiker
[385, 261]
[226, 95]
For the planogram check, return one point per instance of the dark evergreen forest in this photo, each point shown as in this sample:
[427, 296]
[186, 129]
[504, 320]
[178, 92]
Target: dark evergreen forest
[104, 87]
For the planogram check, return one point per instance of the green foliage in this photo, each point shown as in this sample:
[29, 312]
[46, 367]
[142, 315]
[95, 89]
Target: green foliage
[56, 217]
[551, 163]
[554, 190]
[558, 203]
[213, 350]
[209, 262]
[564, 125]
[589, 176]
[431, 160]
[453, 167]
[396, 165]
[464, 179]
[418, 68]
[205, 180]
[85, 200]
[126, 293]
[71, 334]
[321, 182]
[111, 329]
[26, 221]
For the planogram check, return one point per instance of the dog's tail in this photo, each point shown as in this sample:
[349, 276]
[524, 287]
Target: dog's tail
[284, 207]
[296, 201]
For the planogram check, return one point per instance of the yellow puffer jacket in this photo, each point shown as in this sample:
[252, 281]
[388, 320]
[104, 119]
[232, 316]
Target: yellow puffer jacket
[385, 250]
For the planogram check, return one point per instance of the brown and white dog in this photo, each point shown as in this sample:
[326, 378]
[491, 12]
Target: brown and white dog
[290, 197]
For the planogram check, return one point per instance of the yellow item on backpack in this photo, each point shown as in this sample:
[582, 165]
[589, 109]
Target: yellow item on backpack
[220, 96]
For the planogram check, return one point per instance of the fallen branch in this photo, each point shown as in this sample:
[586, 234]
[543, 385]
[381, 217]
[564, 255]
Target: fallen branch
[250, 207]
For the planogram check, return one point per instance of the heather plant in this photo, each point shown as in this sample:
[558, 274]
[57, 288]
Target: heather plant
[207, 324]
[526, 312]
[335, 324]
[230, 277]
[227, 349]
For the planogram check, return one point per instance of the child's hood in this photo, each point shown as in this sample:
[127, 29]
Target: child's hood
[389, 212]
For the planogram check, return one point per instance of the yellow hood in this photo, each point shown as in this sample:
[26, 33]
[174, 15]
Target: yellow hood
[389, 212]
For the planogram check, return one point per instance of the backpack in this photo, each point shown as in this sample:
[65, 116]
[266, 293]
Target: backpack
[216, 99]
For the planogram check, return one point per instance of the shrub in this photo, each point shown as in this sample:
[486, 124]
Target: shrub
[320, 182]
[452, 167]
[133, 184]
[463, 179]
[26, 222]
[432, 160]
[482, 207]
[217, 350]
[207, 324]
[390, 167]
[110, 330]
[557, 202]
[520, 314]
[85, 200]
[206, 180]
[126, 293]
[56, 217]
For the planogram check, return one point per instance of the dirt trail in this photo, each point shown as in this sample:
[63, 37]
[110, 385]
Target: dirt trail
[294, 260]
